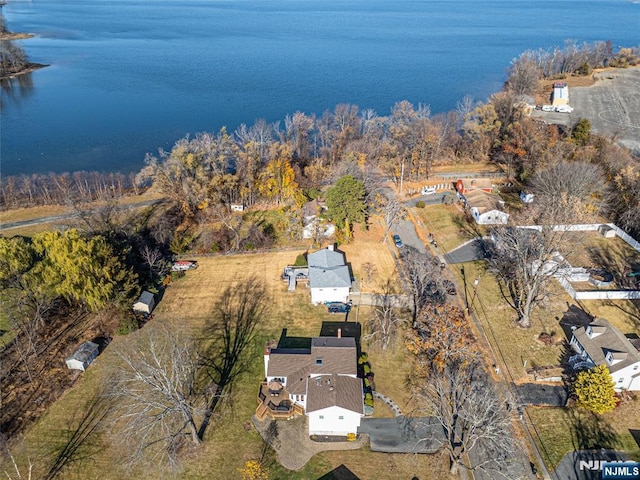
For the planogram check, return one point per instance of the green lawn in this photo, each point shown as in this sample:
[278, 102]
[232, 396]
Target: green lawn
[559, 431]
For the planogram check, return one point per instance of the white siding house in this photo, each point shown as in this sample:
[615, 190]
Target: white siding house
[599, 343]
[486, 208]
[334, 421]
[83, 356]
[319, 381]
[329, 276]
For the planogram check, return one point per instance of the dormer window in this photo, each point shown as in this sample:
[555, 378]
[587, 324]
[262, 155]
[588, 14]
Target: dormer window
[609, 358]
[594, 331]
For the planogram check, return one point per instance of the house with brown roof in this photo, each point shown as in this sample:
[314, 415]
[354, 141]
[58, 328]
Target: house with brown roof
[316, 377]
[600, 343]
[486, 208]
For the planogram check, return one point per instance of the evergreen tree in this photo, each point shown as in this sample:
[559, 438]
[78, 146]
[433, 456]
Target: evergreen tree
[594, 390]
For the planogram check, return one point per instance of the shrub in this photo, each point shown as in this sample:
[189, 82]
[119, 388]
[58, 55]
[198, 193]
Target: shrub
[351, 437]
[362, 359]
[301, 261]
[420, 204]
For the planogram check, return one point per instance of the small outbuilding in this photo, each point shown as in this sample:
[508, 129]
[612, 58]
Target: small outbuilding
[560, 95]
[83, 356]
[145, 303]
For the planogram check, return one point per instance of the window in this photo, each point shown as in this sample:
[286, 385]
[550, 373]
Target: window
[321, 417]
[635, 367]
[620, 380]
[318, 361]
[341, 417]
[609, 358]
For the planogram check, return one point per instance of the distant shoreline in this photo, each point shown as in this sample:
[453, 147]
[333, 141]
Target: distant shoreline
[30, 67]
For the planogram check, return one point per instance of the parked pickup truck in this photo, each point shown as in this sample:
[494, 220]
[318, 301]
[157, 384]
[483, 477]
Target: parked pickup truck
[184, 265]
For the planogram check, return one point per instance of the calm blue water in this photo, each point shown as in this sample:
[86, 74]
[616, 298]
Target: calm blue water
[130, 76]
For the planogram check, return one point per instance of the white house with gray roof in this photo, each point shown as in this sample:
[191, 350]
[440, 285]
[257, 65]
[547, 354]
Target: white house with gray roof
[318, 380]
[599, 343]
[329, 276]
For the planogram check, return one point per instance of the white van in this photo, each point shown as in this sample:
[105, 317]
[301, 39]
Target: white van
[564, 109]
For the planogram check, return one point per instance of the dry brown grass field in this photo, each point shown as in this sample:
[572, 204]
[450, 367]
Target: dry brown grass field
[230, 441]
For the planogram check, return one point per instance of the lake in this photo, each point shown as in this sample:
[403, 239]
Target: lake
[131, 76]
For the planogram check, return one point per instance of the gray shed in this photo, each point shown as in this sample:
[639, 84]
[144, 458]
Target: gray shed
[83, 356]
[145, 303]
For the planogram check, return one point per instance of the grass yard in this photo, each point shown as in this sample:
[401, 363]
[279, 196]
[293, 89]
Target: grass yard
[561, 430]
[446, 223]
[230, 440]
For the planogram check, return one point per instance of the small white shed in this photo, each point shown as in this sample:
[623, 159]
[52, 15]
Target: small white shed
[83, 356]
[145, 303]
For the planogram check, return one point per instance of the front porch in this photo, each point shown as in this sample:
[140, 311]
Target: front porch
[276, 403]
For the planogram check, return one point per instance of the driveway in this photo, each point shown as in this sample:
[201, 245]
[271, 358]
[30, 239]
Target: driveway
[467, 252]
[407, 232]
[541, 394]
[403, 434]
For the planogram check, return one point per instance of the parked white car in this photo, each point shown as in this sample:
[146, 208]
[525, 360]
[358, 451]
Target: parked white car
[548, 108]
[428, 190]
[564, 109]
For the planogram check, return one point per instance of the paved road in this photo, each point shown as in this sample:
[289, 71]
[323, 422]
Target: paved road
[67, 216]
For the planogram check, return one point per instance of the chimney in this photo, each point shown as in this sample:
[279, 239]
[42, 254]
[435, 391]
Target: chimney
[339, 333]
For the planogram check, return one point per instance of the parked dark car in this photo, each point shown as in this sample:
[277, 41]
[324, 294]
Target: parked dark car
[398, 241]
[338, 307]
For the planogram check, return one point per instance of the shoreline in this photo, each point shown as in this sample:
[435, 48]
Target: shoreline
[31, 67]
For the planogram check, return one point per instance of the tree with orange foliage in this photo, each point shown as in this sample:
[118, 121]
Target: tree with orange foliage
[252, 470]
[278, 180]
[441, 335]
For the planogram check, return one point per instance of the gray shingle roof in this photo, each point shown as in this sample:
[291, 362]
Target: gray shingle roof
[84, 352]
[335, 390]
[327, 269]
[325, 258]
[609, 339]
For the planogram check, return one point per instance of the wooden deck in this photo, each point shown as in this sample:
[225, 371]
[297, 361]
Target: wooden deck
[276, 405]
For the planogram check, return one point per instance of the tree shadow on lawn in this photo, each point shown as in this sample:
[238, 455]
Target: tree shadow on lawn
[589, 432]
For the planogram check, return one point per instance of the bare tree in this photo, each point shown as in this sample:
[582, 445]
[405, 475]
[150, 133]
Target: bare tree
[388, 317]
[580, 184]
[392, 210]
[160, 393]
[451, 387]
[368, 271]
[526, 259]
[523, 75]
[422, 275]
[473, 417]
